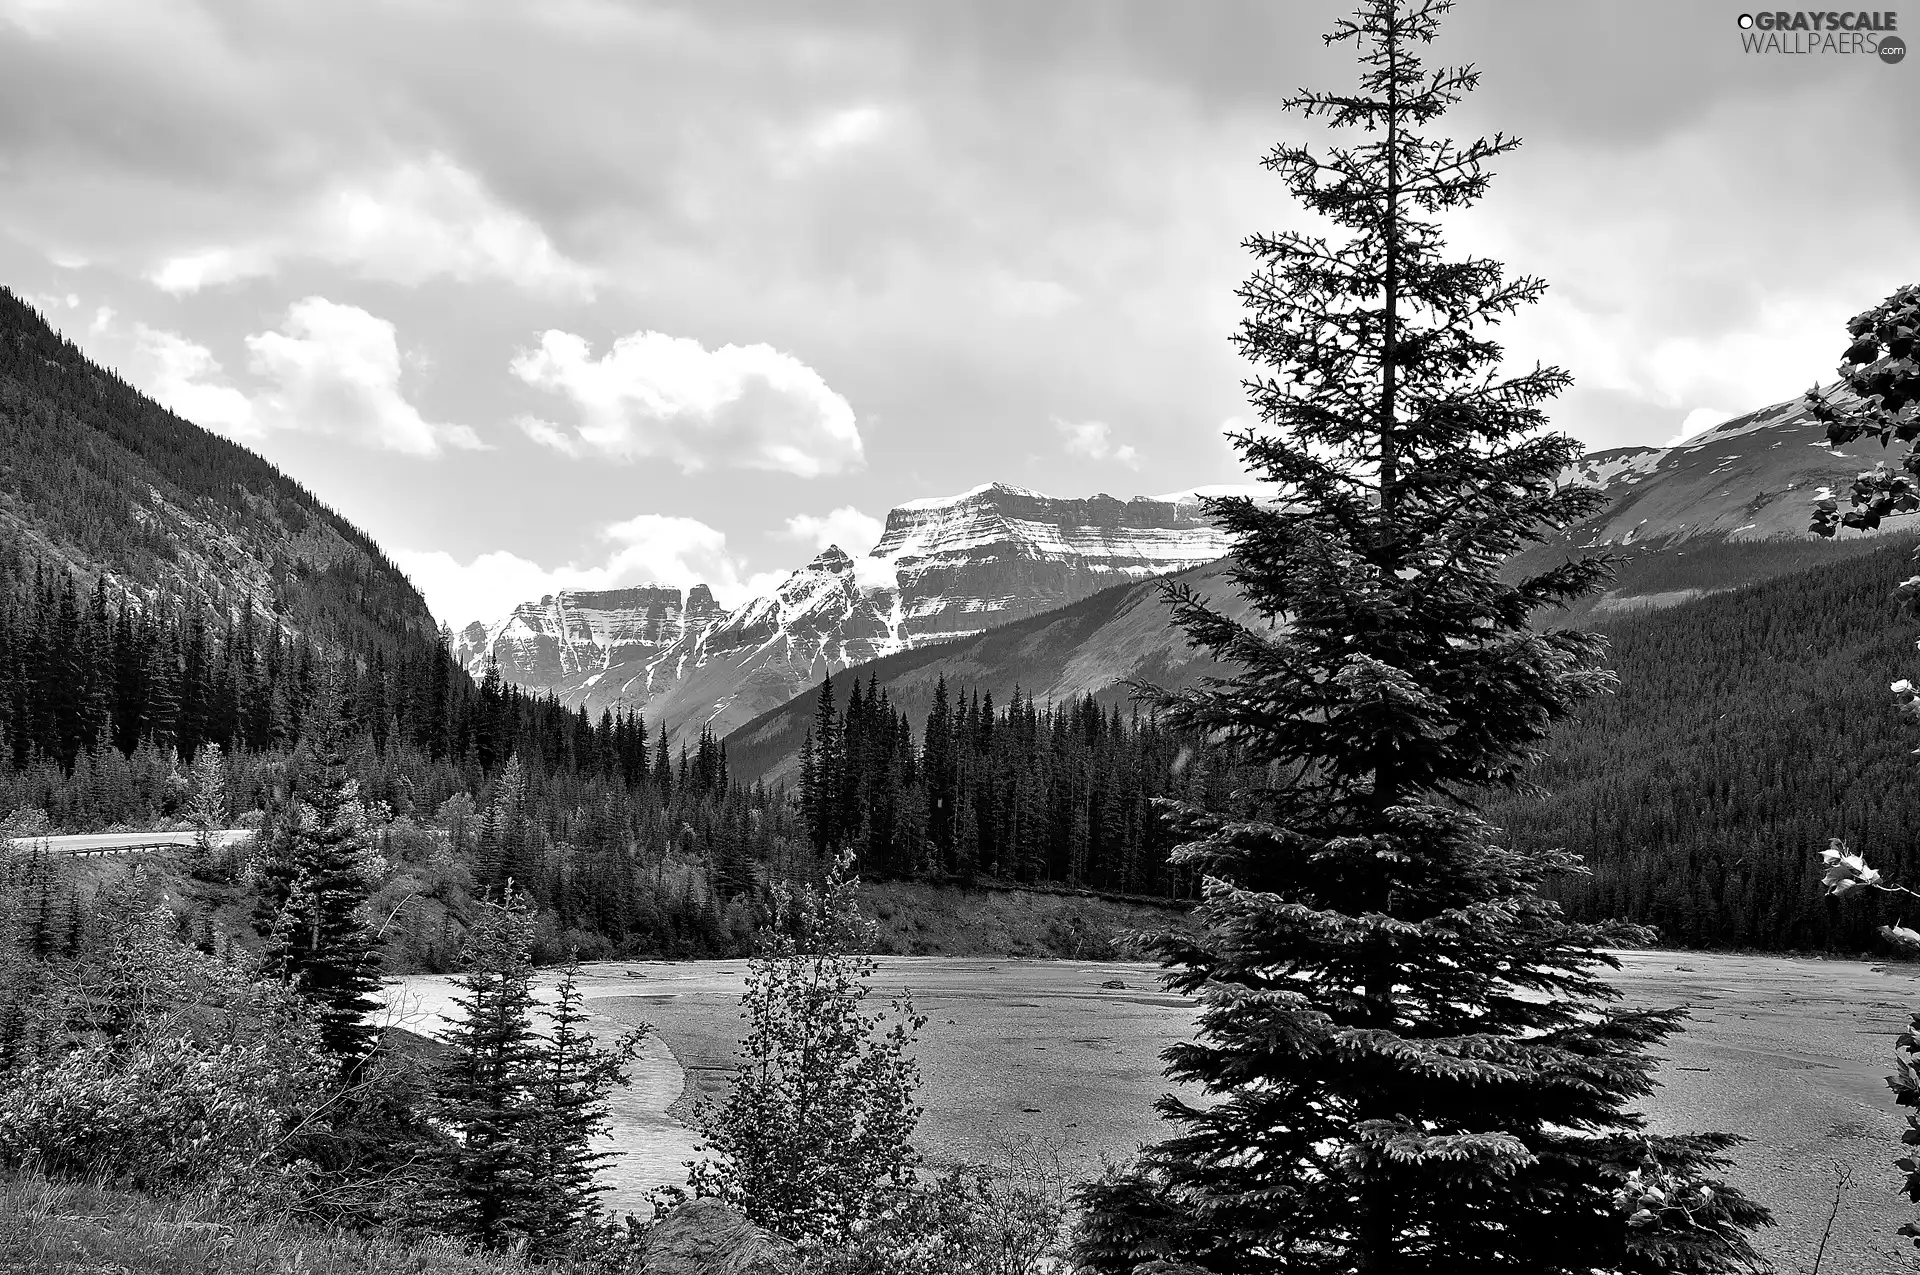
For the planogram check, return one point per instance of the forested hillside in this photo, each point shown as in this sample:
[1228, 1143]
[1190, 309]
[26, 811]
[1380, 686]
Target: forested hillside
[1055, 794]
[97, 478]
[1096, 646]
[1749, 727]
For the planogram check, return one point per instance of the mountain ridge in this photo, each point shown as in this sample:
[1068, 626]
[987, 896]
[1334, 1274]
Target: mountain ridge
[1740, 520]
[98, 479]
[944, 568]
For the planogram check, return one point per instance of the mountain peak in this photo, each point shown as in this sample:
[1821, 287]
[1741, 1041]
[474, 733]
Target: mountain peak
[832, 558]
[985, 493]
[946, 566]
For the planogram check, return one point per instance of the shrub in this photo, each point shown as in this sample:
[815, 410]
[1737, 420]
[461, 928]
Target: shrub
[816, 1136]
[162, 1112]
[1008, 1217]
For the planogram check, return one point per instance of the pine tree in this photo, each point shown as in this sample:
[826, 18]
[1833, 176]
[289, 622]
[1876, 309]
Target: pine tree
[504, 853]
[482, 1095]
[663, 766]
[1413, 1064]
[319, 936]
[207, 807]
[573, 1074]
[824, 760]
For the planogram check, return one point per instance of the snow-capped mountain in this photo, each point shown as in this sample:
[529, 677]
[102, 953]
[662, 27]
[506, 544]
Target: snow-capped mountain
[944, 568]
[1749, 478]
[1722, 508]
[1726, 507]
[576, 633]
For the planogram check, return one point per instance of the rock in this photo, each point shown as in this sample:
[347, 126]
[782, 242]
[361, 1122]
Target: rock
[943, 568]
[706, 1237]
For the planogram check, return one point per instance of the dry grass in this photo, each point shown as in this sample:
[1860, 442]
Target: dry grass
[79, 1229]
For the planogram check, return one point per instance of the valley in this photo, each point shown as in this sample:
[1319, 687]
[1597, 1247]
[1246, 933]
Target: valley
[564, 570]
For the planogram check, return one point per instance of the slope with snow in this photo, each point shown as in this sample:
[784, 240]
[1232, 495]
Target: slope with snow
[1747, 479]
[944, 568]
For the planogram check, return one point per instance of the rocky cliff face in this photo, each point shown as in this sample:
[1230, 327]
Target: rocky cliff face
[998, 553]
[943, 568]
[575, 634]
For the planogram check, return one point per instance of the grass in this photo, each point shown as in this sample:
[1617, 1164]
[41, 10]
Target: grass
[63, 1228]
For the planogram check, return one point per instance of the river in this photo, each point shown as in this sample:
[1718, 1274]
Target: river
[1040, 1055]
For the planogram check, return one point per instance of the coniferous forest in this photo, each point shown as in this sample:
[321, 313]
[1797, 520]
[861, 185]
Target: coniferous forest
[1747, 728]
[626, 843]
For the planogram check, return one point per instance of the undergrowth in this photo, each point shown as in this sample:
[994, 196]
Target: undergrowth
[67, 1228]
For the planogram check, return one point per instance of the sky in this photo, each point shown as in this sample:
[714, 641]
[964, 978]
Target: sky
[575, 294]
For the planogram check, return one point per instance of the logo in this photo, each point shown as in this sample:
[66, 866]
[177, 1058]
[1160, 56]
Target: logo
[1799, 32]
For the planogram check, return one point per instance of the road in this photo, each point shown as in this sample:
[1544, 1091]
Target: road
[89, 843]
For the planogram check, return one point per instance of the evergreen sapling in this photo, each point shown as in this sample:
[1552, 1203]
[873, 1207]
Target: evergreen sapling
[317, 886]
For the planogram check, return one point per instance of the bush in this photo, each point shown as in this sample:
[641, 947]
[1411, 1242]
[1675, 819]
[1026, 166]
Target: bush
[163, 1112]
[148, 1062]
[816, 1135]
[1004, 1218]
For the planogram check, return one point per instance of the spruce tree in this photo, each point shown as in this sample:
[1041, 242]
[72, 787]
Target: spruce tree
[320, 940]
[523, 1109]
[573, 1073]
[1412, 1061]
[207, 807]
[822, 762]
[483, 1090]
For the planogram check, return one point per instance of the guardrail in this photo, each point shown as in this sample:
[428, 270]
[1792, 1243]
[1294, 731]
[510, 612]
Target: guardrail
[145, 847]
[136, 844]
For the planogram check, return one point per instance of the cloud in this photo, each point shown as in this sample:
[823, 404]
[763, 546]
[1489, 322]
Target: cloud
[672, 550]
[485, 589]
[846, 526]
[419, 220]
[746, 407]
[547, 434]
[336, 370]
[331, 369]
[1698, 419]
[846, 128]
[645, 549]
[1094, 440]
[186, 377]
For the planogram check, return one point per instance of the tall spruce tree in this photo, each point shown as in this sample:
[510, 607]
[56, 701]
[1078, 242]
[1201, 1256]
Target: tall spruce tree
[573, 1074]
[1413, 1062]
[523, 1109]
[492, 1164]
[320, 940]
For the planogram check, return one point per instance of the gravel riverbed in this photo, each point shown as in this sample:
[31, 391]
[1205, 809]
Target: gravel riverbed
[1039, 1055]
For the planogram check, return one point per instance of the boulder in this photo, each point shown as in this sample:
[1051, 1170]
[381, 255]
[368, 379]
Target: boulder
[706, 1237]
